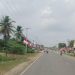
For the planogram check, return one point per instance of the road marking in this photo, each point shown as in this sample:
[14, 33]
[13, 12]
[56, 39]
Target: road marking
[30, 65]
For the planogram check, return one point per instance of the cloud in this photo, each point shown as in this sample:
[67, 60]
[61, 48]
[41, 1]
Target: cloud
[46, 18]
[47, 11]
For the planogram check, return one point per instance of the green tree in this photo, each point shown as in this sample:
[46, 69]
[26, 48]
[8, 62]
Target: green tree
[61, 45]
[19, 29]
[6, 28]
[71, 43]
[19, 34]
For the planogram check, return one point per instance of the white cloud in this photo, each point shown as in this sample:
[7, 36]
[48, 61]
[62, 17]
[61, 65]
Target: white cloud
[66, 1]
[47, 18]
[47, 11]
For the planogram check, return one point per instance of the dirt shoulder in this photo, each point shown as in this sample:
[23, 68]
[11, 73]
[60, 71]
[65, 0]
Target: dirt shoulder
[19, 68]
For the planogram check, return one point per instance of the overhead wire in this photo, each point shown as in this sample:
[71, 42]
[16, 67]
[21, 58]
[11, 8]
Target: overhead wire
[7, 8]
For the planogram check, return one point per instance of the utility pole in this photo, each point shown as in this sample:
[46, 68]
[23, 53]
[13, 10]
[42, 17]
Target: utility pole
[27, 38]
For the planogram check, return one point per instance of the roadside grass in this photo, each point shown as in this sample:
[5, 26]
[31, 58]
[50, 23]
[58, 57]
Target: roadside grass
[12, 60]
[71, 54]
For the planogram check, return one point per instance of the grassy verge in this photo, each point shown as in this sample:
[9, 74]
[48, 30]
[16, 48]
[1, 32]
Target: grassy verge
[9, 62]
[71, 54]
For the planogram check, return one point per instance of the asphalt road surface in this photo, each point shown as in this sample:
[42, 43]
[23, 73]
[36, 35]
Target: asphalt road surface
[52, 64]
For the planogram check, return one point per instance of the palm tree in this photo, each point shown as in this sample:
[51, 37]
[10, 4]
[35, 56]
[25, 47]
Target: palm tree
[6, 28]
[19, 34]
[19, 29]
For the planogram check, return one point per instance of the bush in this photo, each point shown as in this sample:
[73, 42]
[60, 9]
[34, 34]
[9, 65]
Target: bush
[12, 46]
[16, 48]
[30, 50]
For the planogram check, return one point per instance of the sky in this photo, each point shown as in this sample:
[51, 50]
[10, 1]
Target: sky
[49, 21]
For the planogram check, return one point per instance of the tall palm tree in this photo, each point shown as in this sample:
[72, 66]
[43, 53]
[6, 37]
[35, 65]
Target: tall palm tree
[6, 27]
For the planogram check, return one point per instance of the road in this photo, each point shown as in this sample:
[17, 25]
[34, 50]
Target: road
[52, 64]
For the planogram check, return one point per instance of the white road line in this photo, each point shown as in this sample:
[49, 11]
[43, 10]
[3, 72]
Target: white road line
[30, 65]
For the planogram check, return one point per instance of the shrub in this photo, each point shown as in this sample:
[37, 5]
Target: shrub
[12, 46]
[16, 48]
[30, 50]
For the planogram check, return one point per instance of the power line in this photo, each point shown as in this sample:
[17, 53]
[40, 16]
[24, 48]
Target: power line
[11, 8]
